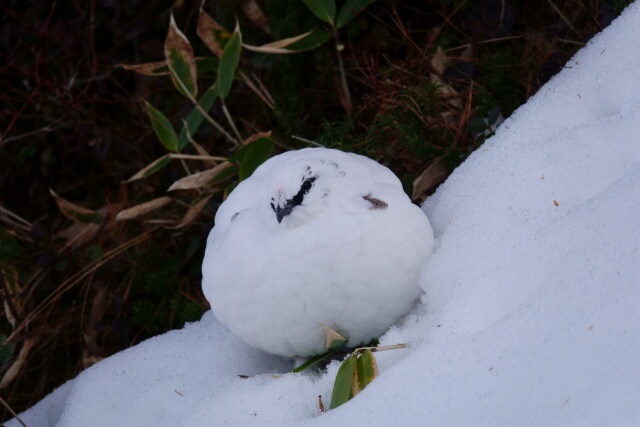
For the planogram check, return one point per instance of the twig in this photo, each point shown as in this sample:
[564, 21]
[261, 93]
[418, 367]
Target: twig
[231, 122]
[6, 405]
[77, 277]
[381, 348]
[8, 299]
[195, 157]
[572, 42]
[160, 221]
[308, 141]
[202, 153]
[36, 66]
[264, 89]
[494, 40]
[184, 165]
[263, 96]
[466, 115]
[562, 16]
[348, 105]
[16, 217]
[451, 15]
[395, 18]
[182, 160]
[25, 135]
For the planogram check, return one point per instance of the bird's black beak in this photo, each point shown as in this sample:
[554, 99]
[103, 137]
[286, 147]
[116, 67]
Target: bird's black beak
[281, 212]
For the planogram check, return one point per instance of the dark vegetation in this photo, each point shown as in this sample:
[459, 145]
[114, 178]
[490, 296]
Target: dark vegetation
[426, 80]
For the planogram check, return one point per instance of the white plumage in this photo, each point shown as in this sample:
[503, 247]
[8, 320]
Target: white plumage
[315, 237]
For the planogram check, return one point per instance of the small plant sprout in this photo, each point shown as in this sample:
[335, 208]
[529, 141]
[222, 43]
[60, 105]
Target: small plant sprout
[356, 372]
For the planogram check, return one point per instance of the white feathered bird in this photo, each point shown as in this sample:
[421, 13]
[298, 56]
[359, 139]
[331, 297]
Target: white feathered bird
[315, 237]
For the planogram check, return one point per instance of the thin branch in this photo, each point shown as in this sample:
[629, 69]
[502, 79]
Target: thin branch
[263, 88]
[15, 216]
[216, 124]
[184, 165]
[495, 40]
[6, 405]
[348, 105]
[562, 16]
[8, 299]
[382, 348]
[195, 157]
[308, 141]
[572, 42]
[231, 122]
[25, 135]
[261, 95]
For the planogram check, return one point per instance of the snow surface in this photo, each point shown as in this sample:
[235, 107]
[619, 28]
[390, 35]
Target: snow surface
[530, 314]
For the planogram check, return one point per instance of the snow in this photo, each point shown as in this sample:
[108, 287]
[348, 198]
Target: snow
[530, 312]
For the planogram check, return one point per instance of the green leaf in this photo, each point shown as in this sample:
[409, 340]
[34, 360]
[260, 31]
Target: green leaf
[349, 11]
[228, 64]
[313, 39]
[195, 117]
[239, 155]
[226, 174]
[163, 128]
[182, 64]
[157, 165]
[152, 167]
[367, 369]
[214, 36]
[323, 9]
[258, 152]
[342, 386]
[207, 64]
[314, 360]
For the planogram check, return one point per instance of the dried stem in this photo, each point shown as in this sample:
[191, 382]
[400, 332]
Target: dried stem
[348, 105]
[202, 111]
[195, 157]
[308, 141]
[6, 405]
[263, 96]
[231, 122]
[381, 348]
[76, 278]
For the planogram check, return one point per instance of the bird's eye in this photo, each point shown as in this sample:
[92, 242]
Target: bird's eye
[273, 207]
[306, 185]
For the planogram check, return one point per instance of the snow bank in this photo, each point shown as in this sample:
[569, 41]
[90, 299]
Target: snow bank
[530, 314]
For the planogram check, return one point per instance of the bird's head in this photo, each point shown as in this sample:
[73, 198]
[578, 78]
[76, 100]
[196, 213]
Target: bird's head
[301, 189]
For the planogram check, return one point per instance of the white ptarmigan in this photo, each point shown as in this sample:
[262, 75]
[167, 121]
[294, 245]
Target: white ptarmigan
[315, 237]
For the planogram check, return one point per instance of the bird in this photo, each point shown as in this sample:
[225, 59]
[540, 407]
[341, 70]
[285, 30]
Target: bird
[315, 239]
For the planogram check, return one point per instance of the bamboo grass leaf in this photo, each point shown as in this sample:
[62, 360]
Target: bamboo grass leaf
[163, 128]
[228, 64]
[323, 9]
[181, 61]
